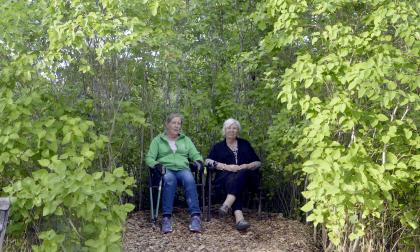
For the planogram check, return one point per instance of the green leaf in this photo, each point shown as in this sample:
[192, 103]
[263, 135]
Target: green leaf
[94, 243]
[308, 82]
[86, 152]
[119, 172]
[352, 85]
[408, 133]
[308, 206]
[154, 7]
[391, 158]
[382, 117]
[385, 139]
[67, 138]
[44, 162]
[97, 175]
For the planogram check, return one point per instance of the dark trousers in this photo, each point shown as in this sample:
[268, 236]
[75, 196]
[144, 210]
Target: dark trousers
[236, 183]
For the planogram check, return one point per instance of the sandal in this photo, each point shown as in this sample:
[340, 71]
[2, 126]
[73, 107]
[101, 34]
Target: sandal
[224, 210]
[242, 225]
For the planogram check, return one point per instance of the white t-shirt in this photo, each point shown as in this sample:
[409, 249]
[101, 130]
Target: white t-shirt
[172, 144]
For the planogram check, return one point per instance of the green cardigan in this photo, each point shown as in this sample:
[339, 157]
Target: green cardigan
[161, 152]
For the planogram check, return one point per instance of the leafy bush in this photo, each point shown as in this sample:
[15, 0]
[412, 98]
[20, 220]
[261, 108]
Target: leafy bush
[46, 158]
[355, 83]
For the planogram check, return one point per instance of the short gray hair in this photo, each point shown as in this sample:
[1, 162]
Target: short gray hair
[171, 116]
[229, 122]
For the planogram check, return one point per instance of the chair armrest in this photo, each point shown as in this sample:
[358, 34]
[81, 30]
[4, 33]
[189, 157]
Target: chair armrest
[4, 204]
[210, 167]
[194, 169]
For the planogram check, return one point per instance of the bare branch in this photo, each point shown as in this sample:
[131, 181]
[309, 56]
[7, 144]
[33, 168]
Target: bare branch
[405, 112]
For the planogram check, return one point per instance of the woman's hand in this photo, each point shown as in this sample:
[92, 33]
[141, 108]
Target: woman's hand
[232, 168]
[244, 167]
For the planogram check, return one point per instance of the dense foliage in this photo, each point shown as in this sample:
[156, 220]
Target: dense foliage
[354, 87]
[326, 91]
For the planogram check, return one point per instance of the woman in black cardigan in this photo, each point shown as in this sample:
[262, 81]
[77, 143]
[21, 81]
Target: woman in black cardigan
[235, 161]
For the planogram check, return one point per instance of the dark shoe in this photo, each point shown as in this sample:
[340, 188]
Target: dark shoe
[224, 210]
[166, 225]
[242, 225]
[195, 225]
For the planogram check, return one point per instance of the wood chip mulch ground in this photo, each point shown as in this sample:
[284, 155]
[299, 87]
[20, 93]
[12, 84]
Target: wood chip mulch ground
[271, 233]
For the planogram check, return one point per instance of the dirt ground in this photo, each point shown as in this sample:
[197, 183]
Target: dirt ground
[271, 233]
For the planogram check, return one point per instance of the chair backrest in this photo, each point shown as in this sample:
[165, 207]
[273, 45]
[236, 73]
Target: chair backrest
[4, 214]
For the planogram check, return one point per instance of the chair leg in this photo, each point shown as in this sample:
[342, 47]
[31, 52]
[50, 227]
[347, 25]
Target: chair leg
[152, 211]
[158, 198]
[209, 196]
[203, 195]
[259, 204]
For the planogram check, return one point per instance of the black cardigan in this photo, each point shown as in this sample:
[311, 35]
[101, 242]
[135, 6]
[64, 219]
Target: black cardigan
[221, 153]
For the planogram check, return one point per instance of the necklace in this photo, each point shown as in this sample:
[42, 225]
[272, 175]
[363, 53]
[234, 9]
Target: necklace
[233, 146]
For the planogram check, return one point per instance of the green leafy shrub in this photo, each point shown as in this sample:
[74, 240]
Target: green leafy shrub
[355, 83]
[46, 158]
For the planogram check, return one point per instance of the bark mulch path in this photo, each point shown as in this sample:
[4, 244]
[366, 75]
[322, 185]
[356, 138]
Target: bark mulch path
[272, 233]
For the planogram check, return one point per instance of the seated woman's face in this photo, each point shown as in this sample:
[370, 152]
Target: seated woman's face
[232, 131]
[174, 126]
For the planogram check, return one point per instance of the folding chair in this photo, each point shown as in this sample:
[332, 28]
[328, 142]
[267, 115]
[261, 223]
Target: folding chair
[4, 214]
[214, 189]
[156, 184]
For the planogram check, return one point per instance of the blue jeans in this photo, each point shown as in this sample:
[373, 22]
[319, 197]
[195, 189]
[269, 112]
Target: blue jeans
[170, 182]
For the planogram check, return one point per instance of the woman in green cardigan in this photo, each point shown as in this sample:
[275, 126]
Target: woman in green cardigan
[170, 153]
